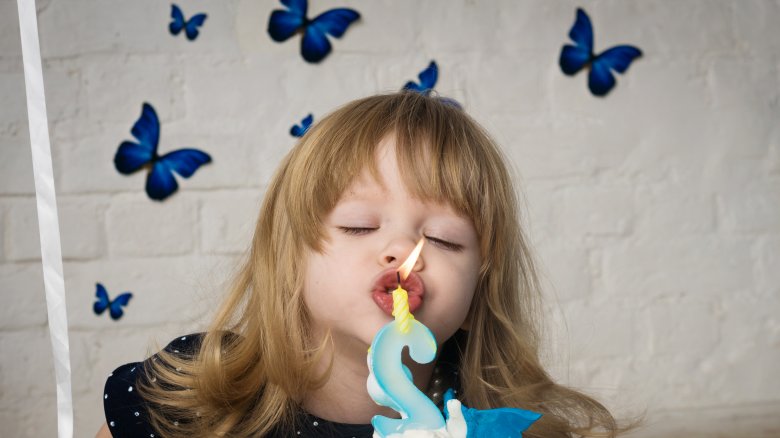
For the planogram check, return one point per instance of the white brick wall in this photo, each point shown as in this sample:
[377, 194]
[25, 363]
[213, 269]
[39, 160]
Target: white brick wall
[655, 212]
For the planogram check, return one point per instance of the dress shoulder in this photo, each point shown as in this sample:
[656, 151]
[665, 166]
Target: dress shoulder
[126, 412]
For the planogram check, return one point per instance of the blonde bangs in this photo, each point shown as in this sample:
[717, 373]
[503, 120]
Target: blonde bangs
[444, 157]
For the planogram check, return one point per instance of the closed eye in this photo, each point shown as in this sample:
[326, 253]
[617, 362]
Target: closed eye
[445, 244]
[356, 231]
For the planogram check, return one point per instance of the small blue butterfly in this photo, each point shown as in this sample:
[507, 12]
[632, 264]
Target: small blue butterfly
[190, 26]
[428, 78]
[300, 130]
[574, 58]
[114, 307]
[485, 423]
[315, 45]
[131, 156]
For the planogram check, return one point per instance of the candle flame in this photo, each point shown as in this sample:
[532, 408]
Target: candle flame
[406, 268]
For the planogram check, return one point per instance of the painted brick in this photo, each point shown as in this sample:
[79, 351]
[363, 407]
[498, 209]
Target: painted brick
[33, 418]
[81, 227]
[567, 270]
[148, 78]
[669, 210]
[31, 372]
[12, 90]
[585, 211]
[753, 212]
[752, 27]
[228, 222]
[766, 253]
[23, 235]
[599, 331]
[682, 326]
[64, 93]
[134, 225]
[22, 296]
[10, 40]
[95, 154]
[2, 233]
[374, 33]
[16, 171]
[456, 27]
[646, 269]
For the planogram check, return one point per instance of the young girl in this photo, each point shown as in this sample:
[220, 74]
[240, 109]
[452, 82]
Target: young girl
[286, 353]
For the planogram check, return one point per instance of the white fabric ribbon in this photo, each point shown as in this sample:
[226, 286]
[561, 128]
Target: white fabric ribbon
[51, 254]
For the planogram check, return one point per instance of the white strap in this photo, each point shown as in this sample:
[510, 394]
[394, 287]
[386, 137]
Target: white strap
[51, 255]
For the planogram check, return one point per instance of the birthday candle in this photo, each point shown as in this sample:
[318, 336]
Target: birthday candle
[400, 297]
[390, 382]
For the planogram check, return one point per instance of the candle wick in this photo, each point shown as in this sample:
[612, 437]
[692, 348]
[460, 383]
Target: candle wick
[398, 276]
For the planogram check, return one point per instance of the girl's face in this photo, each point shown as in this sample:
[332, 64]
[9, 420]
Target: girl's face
[370, 232]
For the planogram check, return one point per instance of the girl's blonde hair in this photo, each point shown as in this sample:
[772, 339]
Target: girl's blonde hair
[256, 361]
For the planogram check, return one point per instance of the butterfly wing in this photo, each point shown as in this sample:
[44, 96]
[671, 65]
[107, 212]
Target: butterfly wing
[619, 58]
[601, 79]
[177, 23]
[582, 31]
[315, 45]
[335, 21]
[191, 28]
[283, 24]
[115, 308]
[185, 161]
[300, 130]
[574, 57]
[160, 182]
[428, 78]
[102, 299]
[131, 156]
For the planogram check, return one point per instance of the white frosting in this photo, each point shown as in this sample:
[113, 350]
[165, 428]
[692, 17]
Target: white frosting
[456, 426]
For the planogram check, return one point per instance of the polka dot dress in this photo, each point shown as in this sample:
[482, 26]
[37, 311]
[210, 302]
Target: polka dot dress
[127, 414]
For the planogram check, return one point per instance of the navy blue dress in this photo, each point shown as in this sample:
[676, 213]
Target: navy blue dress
[127, 413]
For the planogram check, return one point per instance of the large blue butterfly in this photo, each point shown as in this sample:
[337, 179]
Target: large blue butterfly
[499, 422]
[131, 156]
[300, 130]
[190, 26]
[315, 45]
[114, 307]
[575, 57]
[427, 77]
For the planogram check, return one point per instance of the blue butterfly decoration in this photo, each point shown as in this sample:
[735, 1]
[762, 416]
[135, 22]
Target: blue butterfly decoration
[300, 130]
[132, 156]
[190, 26]
[315, 45]
[500, 422]
[114, 307]
[575, 57]
[428, 79]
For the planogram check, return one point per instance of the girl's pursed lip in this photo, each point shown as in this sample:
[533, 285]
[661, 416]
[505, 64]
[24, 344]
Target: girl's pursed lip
[388, 281]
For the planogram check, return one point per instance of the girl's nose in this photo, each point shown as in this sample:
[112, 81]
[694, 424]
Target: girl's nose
[397, 252]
